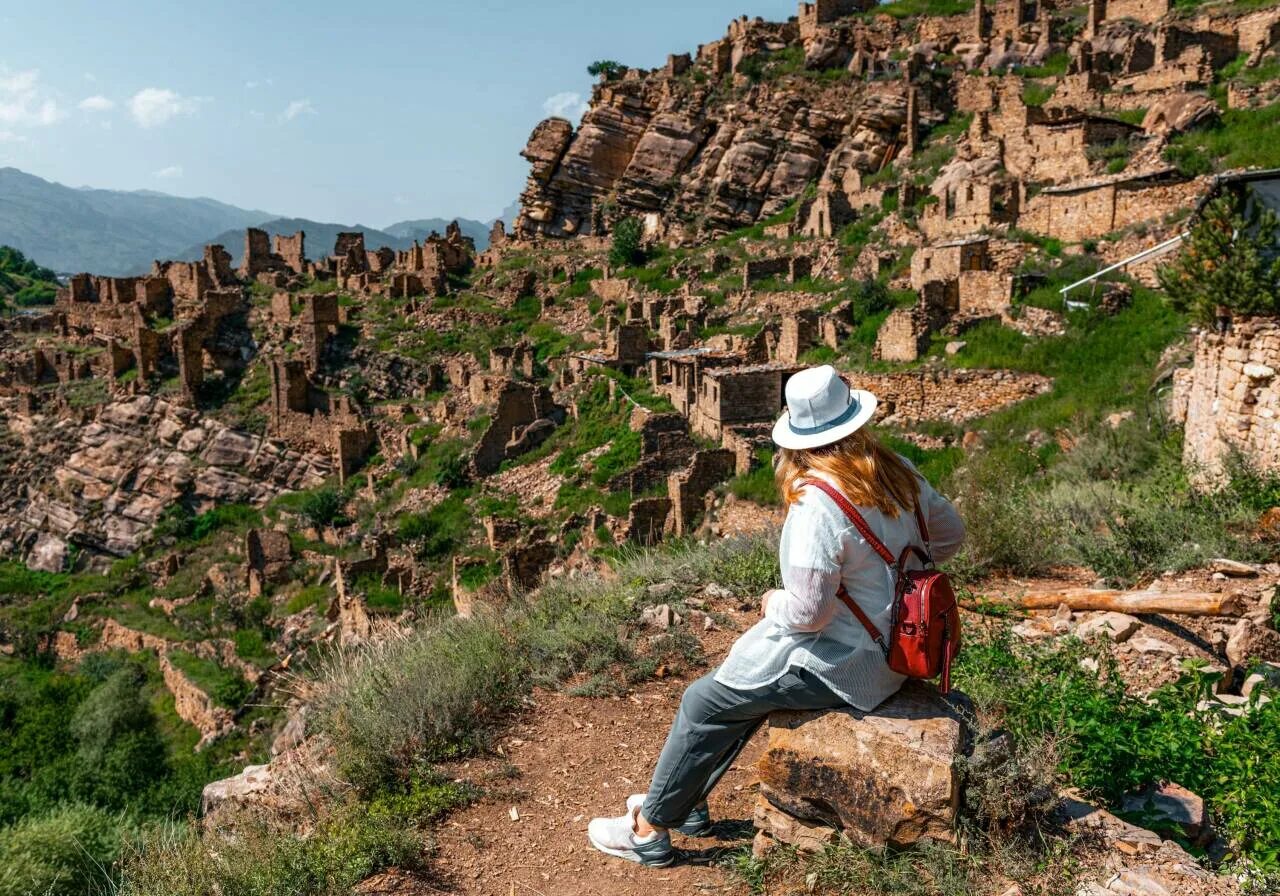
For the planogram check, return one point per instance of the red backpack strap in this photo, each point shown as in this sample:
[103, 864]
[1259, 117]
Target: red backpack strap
[924, 528]
[876, 544]
[854, 517]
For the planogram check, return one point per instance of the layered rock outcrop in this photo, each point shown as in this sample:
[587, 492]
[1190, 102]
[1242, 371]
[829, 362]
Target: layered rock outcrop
[102, 483]
[883, 778]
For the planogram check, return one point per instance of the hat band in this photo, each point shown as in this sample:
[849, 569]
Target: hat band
[848, 414]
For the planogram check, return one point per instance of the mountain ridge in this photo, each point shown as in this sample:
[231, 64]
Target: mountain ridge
[120, 232]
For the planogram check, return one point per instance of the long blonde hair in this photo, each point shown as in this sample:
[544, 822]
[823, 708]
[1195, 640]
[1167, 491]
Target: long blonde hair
[869, 474]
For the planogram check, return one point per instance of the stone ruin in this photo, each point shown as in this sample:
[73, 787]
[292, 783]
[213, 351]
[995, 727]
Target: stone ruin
[303, 414]
[524, 416]
[1229, 401]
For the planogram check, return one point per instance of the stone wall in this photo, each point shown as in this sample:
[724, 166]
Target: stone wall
[688, 488]
[522, 418]
[1101, 207]
[1147, 11]
[1229, 400]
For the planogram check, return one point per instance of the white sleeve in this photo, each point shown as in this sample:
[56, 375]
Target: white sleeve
[946, 529]
[813, 550]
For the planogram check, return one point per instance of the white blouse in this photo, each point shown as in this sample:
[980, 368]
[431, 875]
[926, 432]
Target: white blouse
[806, 625]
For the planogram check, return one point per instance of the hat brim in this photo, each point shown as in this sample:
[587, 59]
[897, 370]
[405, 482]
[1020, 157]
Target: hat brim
[785, 437]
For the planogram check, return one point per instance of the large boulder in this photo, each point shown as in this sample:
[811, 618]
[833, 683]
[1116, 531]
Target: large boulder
[884, 778]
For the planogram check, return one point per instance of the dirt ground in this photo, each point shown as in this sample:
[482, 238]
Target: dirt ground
[568, 759]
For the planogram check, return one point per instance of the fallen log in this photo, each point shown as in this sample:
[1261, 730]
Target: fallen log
[1185, 603]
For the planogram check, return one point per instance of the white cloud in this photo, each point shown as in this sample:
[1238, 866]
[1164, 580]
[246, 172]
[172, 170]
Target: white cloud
[567, 104]
[96, 103]
[296, 108]
[23, 103]
[11, 137]
[153, 106]
[170, 172]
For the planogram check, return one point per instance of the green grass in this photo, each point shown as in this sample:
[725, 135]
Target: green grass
[759, 485]
[1243, 138]
[905, 9]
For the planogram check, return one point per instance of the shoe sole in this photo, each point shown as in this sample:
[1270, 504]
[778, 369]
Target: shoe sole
[630, 855]
[699, 832]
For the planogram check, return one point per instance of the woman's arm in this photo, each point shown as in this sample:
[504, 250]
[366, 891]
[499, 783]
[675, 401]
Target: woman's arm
[811, 562]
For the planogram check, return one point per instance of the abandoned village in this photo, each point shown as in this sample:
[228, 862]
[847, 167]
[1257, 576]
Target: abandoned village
[338, 448]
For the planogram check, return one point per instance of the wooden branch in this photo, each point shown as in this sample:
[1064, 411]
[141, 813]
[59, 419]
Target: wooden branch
[1185, 603]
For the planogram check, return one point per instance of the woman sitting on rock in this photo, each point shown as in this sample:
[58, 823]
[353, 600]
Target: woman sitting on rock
[808, 651]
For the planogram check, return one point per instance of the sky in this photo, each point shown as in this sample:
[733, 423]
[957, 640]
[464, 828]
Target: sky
[366, 113]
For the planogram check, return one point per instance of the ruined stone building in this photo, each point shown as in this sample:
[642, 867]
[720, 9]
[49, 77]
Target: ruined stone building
[307, 416]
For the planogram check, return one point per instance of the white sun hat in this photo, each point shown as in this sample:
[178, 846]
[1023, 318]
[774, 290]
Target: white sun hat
[821, 409]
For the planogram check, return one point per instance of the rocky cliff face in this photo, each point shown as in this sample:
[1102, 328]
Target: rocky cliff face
[698, 143]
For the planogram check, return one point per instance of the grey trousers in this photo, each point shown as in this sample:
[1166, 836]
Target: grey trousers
[713, 725]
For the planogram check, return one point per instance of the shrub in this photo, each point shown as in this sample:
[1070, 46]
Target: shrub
[68, 851]
[1111, 742]
[346, 847]
[1229, 259]
[320, 507]
[415, 698]
[626, 249]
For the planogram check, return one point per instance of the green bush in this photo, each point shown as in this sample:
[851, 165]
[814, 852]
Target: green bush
[1111, 742]
[320, 507]
[67, 851]
[626, 249]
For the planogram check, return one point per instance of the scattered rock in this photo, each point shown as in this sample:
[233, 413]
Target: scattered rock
[660, 617]
[955, 347]
[1062, 620]
[1249, 640]
[1171, 808]
[1149, 645]
[716, 591]
[1116, 627]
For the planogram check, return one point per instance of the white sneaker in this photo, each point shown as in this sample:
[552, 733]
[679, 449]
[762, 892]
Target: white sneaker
[617, 837]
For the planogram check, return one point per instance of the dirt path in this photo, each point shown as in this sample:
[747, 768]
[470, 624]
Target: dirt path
[568, 759]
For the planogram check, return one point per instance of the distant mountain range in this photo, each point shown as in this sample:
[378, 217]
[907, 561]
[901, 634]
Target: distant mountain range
[120, 233]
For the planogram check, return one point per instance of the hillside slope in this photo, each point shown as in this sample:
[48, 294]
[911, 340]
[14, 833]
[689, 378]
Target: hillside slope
[23, 283]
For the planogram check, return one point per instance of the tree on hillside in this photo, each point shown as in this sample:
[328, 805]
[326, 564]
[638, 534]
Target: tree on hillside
[23, 281]
[626, 249]
[1229, 260]
[607, 67]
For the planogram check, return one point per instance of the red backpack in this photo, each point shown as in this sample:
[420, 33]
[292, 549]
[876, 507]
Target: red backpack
[924, 629]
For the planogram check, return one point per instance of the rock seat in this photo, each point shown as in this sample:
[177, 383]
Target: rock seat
[882, 778]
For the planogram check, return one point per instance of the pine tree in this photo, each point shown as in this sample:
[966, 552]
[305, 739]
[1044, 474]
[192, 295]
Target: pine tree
[1230, 259]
